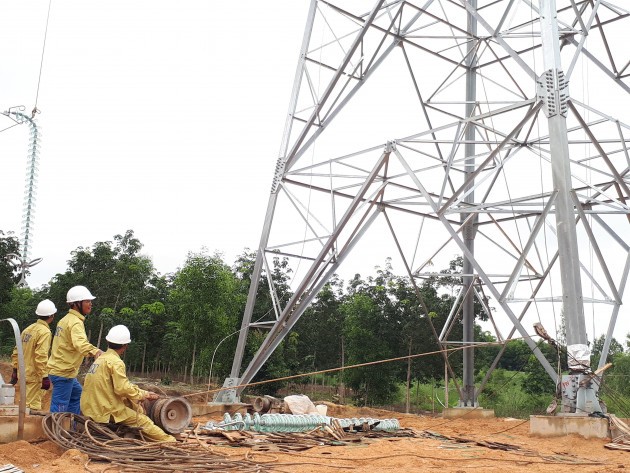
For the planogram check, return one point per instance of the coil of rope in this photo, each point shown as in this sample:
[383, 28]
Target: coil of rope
[133, 455]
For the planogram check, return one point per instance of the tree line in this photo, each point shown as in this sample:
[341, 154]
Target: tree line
[186, 323]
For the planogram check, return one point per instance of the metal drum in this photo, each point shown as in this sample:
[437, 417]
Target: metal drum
[172, 414]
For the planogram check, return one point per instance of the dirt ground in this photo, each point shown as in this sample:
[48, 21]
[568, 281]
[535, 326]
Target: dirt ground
[427, 453]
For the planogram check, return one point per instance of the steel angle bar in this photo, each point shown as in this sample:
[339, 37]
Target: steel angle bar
[422, 104]
[483, 300]
[585, 31]
[584, 269]
[591, 300]
[615, 313]
[323, 256]
[599, 148]
[289, 319]
[385, 35]
[297, 81]
[620, 241]
[350, 197]
[416, 272]
[451, 313]
[535, 350]
[623, 143]
[538, 252]
[253, 287]
[611, 203]
[599, 113]
[249, 307]
[601, 66]
[453, 206]
[513, 54]
[304, 212]
[488, 79]
[448, 328]
[505, 250]
[523, 253]
[424, 307]
[503, 18]
[340, 161]
[532, 112]
[276, 248]
[595, 246]
[275, 301]
[523, 312]
[532, 200]
[449, 163]
[297, 151]
[293, 154]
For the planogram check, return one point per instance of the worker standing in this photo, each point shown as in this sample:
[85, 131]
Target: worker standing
[36, 346]
[70, 345]
[108, 394]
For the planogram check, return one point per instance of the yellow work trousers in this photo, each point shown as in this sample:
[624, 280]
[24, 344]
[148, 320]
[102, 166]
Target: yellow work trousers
[150, 431]
[34, 394]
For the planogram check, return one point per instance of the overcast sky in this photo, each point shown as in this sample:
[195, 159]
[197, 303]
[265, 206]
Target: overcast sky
[158, 116]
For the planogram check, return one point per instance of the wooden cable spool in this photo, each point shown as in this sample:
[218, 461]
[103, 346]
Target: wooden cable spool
[171, 414]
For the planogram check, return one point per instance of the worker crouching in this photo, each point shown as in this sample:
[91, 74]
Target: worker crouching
[109, 396]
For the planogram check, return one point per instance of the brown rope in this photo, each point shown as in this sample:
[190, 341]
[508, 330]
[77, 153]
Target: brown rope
[359, 365]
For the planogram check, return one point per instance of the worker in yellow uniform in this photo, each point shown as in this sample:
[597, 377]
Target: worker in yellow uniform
[69, 347]
[36, 345]
[109, 396]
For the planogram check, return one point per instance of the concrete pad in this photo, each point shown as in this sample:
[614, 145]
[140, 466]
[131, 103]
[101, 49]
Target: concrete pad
[9, 428]
[560, 425]
[217, 409]
[467, 413]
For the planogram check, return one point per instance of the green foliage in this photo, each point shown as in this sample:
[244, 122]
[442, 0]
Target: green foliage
[537, 381]
[9, 276]
[189, 321]
[615, 388]
[596, 350]
[20, 307]
[205, 301]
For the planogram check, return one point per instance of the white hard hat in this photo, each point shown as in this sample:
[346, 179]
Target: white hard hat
[118, 334]
[79, 293]
[45, 308]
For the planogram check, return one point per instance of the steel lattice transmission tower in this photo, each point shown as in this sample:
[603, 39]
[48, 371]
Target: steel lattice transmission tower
[492, 129]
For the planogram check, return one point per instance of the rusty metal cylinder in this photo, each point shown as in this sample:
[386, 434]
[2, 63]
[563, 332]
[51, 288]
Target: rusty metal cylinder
[261, 404]
[171, 414]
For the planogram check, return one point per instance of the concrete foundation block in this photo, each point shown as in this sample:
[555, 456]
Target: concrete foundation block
[217, 409]
[560, 425]
[9, 428]
[467, 413]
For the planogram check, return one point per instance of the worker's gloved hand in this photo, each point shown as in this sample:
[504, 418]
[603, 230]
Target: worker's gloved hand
[46, 383]
[14, 377]
[150, 396]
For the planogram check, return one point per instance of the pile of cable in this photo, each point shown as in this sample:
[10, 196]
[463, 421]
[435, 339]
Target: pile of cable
[71, 431]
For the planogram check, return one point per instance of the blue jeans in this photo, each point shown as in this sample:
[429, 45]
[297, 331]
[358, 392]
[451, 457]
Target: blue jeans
[66, 395]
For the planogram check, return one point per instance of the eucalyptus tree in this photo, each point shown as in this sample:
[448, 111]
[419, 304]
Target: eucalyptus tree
[205, 301]
[116, 273]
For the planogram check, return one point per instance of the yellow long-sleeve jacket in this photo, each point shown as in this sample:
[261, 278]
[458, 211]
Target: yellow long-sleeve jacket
[106, 387]
[69, 346]
[36, 345]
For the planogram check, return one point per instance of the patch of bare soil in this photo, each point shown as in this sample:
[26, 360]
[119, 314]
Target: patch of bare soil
[435, 450]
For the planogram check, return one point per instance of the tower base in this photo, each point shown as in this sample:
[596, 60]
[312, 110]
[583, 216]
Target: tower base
[560, 425]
